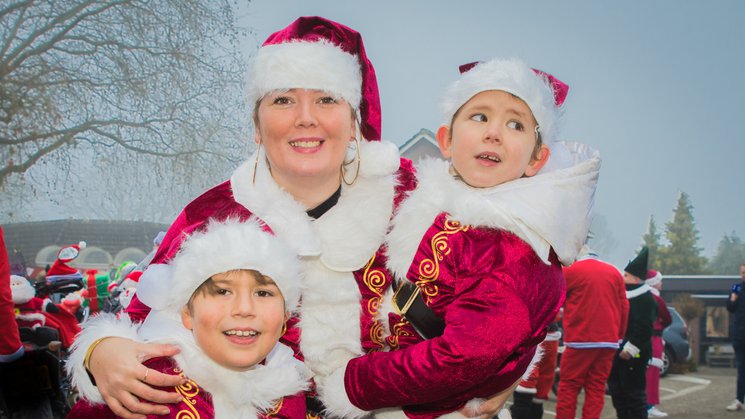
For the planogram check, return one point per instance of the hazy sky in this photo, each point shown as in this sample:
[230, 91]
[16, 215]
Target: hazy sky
[656, 86]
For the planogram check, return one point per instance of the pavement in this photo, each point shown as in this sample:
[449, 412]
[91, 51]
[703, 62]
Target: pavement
[695, 395]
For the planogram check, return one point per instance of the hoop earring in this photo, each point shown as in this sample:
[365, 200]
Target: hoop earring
[256, 164]
[359, 163]
[284, 329]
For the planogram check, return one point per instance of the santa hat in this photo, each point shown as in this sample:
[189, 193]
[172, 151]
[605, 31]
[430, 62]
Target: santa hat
[216, 247]
[543, 93]
[653, 277]
[60, 269]
[131, 280]
[317, 53]
[638, 266]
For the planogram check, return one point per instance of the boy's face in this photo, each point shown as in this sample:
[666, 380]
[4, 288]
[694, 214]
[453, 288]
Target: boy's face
[492, 140]
[238, 318]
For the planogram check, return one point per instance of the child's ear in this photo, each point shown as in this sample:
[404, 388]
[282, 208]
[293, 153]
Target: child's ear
[444, 140]
[186, 319]
[541, 158]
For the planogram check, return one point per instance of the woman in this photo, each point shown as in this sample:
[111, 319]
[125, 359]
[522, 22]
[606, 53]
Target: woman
[320, 179]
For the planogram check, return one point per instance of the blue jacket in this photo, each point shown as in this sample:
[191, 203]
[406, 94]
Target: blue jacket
[738, 308]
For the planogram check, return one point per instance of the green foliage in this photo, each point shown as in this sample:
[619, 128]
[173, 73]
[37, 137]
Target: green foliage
[652, 241]
[730, 255]
[681, 256]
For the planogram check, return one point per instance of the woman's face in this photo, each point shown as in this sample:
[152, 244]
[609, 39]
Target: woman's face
[305, 134]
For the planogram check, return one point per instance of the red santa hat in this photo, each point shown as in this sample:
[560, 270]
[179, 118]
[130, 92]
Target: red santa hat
[131, 280]
[653, 277]
[60, 269]
[317, 53]
[543, 93]
[216, 247]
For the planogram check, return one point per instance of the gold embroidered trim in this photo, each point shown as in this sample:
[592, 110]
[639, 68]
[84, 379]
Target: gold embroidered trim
[399, 330]
[429, 269]
[277, 407]
[374, 280]
[188, 392]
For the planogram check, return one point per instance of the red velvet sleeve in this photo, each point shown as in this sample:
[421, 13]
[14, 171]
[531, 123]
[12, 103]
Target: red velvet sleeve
[477, 355]
[663, 314]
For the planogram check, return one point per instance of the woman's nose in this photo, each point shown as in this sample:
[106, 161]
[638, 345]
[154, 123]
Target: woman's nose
[305, 113]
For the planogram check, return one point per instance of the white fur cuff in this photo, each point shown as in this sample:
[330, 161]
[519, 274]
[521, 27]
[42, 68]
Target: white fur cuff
[103, 325]
[631, 349]
[334, 396]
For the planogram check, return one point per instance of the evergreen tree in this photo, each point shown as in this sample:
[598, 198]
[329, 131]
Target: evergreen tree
[682, 256]
[730, 254]
[652, 241]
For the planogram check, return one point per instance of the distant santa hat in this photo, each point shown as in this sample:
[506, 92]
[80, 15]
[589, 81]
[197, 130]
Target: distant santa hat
[131, 280]
[60, 269]
[216, 247]
[653, 277]
[543, 93]
[317, 53]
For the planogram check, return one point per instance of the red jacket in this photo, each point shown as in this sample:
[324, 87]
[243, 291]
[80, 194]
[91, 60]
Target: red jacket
[596, 309]
[10, 343]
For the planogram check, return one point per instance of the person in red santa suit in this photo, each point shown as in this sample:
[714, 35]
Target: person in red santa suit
[322, 180]
[225, 309]
[33, 311]
[10, 342]
[654, 280]
[595, 315]
[478, 246]
[533, 390]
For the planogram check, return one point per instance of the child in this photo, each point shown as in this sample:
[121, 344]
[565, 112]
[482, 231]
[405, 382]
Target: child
[478, 247]
[226, 309]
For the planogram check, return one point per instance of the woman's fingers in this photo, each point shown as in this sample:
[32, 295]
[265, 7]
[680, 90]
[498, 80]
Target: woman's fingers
[152, 350]
[121, 411]
[137, 408]
[147, 391]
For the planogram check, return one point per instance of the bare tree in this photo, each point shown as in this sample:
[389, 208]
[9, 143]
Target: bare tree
[159, 79]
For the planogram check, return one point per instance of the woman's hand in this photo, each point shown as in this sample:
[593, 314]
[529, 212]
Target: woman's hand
[490, 408]
[116, 365]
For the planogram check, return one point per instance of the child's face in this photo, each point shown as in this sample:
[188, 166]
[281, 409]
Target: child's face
[492, 140]
[238, 318]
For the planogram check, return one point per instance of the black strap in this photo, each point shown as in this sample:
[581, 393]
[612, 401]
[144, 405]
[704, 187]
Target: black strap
[410, 304]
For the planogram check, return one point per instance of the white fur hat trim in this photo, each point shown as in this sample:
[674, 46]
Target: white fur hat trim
[221, 247]
[317, 65]
[511, 76]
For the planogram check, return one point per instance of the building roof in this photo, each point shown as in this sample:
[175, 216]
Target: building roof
[422, 144]
[26, 240]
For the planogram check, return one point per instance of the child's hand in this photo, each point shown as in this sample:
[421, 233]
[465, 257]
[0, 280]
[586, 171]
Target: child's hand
[116, 364]
[624, 355]
[489, 408]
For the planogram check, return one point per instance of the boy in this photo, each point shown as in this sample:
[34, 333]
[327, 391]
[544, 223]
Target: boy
[478, 247]
[227, 326]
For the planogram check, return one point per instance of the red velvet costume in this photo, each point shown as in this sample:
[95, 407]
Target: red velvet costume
[658, 347]
[595, 317]
[345, 271]
[197, 402]
[496, 291]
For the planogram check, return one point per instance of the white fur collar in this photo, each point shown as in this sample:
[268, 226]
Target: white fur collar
[644, 288]
[234, 394]
[548, 210]
[349, 233]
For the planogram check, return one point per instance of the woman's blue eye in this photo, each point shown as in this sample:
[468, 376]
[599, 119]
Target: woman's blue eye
[479, 117]
[517, 125]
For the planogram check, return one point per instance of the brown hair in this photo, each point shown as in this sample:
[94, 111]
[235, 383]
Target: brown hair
[208, 286]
